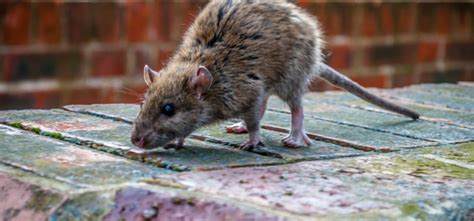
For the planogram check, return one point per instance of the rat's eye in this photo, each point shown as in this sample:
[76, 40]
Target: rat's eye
[167, 109]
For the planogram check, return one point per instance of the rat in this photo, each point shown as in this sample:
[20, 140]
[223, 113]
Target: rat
[233, 57]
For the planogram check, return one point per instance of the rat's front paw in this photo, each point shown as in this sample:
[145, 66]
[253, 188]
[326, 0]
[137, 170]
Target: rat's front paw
[237, 128]
[250, 145]
[175, 144]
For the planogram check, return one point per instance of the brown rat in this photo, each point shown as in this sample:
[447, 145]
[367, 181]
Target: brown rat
[233, 57]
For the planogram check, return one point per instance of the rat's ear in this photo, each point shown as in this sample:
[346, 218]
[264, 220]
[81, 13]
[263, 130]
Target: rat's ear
[201, 81]
[149, 75]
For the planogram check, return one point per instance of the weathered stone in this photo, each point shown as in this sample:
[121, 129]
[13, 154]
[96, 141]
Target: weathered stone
[432, 98]
[67, 162]
[137, 204]
[93, 205]
[23, 201]
[454, 90]
[427, 183]
[393, 124]
[217, 134]
[114, 137]
[430, 113]
[375, 140]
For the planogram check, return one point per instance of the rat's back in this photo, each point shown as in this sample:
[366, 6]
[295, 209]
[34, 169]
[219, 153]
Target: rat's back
[269, 39]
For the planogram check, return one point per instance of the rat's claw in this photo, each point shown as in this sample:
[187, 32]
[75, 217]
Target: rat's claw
[237, 128]
[175, 144]
[295, 140]
[249, 145]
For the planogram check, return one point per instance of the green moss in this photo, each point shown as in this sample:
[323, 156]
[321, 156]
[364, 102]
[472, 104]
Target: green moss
[413, 210]
[16, 125]
[36, 130]
[424, 166]
[42, 200]
[55, 135]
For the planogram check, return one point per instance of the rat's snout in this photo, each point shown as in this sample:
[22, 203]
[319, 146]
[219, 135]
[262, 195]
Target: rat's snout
[139, 138]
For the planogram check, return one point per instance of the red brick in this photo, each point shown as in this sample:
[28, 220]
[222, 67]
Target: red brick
[468, 75]
[47, 99]
[446, 76]
[378, 19]
[164, 55]
[404, 17]
[91, 95]
[461, 17]
[427, 51]
[192, 9]
[378, 80]
[386, 19]
[319, 85]
[42, 65]
[443, 18]
[107, 21]
[106, 63]
[49, 22]
[15, 20]
[163, 20]
[369, 21]
[142, 58]
[138, 21]
[16, 101]
[339, 19]
[460, 51]
[426, 17]
[340, 56]
[402, 80]
[79, 22]
[389, 54]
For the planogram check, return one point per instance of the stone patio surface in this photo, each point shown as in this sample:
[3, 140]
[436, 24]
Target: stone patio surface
[77, 163]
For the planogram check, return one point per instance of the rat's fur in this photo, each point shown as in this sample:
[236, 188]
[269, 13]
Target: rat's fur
[251, 49]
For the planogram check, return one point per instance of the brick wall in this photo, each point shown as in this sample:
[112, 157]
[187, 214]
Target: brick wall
[54, 53]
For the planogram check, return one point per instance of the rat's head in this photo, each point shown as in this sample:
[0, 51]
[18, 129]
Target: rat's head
[172, 106]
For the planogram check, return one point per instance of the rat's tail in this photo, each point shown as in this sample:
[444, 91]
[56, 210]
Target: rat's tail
[332, 76]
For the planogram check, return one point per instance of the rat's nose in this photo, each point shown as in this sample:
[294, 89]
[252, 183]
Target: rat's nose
[137, 140]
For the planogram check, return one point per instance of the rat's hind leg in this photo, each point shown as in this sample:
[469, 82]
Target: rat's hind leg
[241, 127]
[297, 136]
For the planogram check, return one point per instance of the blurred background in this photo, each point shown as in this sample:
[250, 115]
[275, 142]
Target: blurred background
[58, 52]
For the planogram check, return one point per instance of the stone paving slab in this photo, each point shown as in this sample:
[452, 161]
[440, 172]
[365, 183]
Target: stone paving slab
[373, 140]
[441, 115]
[455, 90]
[216, 133]
[67, 162]
[24, 201]
[434, 183]
[435, 99]
[59, 180]
[114, 137]
[393, 124]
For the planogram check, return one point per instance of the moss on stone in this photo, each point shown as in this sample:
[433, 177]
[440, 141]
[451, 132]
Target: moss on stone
[42, 200]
